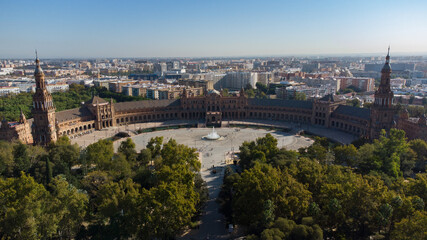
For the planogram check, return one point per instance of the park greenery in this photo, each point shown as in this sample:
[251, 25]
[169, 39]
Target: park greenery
[325, 191]
[354, 102]
[371, 190]
[11, 105]
[64, 192]
[416, 111]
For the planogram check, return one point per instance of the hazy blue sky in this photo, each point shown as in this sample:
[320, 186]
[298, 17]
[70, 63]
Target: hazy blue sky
[157, 28]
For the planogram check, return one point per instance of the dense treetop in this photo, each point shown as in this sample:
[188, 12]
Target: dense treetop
[340, 192]
[368, 190]
[63, 192]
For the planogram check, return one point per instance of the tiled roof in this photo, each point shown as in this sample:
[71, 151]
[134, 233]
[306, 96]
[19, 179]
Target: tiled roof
[124, 106]
[96, 99]
[281, 103]
[72, 114]
[353, 111]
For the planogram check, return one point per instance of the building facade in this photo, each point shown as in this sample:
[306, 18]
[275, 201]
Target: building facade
[363, 84]
[210, 109]
[414, 127]
[17, 130]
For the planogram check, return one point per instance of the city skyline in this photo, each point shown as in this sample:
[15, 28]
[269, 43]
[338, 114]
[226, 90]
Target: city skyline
[210, 29]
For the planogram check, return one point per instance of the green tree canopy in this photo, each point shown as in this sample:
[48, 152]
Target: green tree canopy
[27, 210]
[127, 148]
[100, 153]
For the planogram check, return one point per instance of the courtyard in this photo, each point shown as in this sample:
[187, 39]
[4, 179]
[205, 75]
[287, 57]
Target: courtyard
[214, 152]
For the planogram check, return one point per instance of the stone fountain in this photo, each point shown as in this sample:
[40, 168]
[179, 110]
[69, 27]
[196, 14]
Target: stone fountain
[212, 136]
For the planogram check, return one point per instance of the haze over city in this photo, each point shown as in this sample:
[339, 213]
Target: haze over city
[92, 29]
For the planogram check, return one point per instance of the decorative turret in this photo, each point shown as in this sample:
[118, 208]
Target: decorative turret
[39, 74]
[44, 130]
[22, 118]
[242, 92]
[387, 68]
[382, 111]
[184, 93]
[384, 95]
[404, 114]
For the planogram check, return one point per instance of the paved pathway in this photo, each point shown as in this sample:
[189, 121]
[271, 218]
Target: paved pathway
[333, 134]
[94, 136]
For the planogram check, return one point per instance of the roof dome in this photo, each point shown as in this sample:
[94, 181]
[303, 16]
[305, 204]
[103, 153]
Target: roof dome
[387, 67]
[38, 68]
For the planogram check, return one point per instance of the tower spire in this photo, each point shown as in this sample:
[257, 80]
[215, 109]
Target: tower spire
[22, 118]
[38, 70]
[37, 60]
[387, 58]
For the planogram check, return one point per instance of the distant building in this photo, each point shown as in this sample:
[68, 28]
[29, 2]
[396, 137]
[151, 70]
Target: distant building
[238, 80]
[205, 84]
[85, 65]
[5, 71]
[398, 82]
[319, 82]
[56, 87]
[160, 68]
[146, 76]
[363, 84]
[397, 67]
[153, 93]
[310, 67]
[9, 90]
[265, 78]
[172, 65]
[285, 93]
[116, 86]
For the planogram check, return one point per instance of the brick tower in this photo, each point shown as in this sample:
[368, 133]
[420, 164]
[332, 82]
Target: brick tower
[43, 128]
[382, 111]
